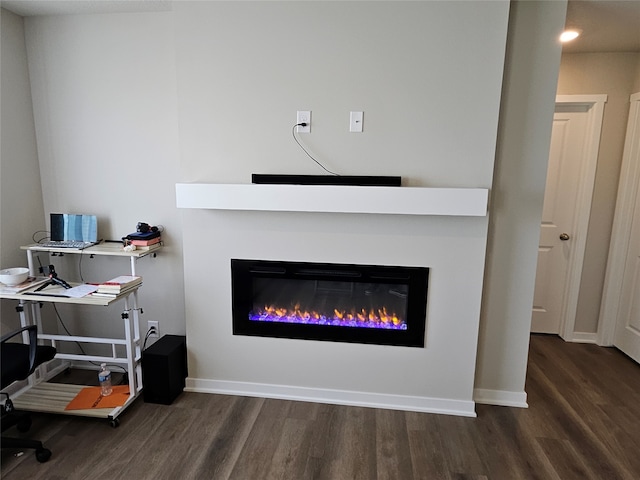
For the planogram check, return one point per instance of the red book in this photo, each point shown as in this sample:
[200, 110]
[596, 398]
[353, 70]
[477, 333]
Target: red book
[145, 243]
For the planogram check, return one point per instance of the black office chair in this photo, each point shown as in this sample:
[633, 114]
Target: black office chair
[19, 360]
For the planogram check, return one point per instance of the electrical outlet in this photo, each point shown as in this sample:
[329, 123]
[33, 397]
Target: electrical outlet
[153, 325]
[304, 116]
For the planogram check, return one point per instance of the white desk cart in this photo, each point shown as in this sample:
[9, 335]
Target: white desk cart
[40, 394]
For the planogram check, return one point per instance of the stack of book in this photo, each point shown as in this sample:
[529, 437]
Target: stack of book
[117, 286]
[144, 241]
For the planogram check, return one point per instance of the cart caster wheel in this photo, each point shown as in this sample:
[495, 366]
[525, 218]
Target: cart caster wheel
[24, 424]
[43, 454]
[114, 423]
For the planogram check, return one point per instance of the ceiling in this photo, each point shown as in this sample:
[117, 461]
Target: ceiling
[607, 25]
[29, 8]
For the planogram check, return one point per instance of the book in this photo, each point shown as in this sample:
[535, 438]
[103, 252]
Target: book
[119, 284]
[142, 236]
[104, 295]
[28, 283]
[145, 243]
[146, 248]
[91, 397]
[112, 295]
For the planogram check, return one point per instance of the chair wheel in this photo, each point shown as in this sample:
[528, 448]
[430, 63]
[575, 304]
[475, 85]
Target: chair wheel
[24, 424]
[114, 423]
[43, 454]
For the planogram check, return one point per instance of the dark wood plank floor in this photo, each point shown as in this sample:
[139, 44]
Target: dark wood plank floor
[583, 423]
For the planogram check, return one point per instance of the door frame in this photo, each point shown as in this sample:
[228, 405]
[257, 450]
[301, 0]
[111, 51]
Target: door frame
[627, 193]
[586, 181]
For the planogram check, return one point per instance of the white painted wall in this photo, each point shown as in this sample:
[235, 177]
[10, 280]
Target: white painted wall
[426, 93]
[104, 93]
[21, 208]
[531, 73]
[452, 248]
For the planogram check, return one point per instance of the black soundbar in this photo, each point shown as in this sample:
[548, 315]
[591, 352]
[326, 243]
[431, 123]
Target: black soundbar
[353, 180]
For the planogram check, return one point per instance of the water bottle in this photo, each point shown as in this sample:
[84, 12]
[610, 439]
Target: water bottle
[104, 377]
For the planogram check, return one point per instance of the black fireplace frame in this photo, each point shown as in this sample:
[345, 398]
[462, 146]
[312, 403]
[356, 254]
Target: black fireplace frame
[416, 278]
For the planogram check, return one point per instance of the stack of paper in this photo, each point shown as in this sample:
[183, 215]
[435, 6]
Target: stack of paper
[28, 283]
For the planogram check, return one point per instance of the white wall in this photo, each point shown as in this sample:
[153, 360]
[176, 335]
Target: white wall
[528, 98]
[104, 93]
[242, 77]
[21, 207]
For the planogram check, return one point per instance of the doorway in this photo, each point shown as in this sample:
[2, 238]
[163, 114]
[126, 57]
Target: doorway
[571, 172]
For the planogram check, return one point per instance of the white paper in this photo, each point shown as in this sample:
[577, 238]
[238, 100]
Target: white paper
[79, 291]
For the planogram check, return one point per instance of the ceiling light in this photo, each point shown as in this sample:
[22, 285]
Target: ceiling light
[569, 35]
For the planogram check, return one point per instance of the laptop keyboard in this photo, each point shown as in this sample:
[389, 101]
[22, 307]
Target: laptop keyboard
[65, 244]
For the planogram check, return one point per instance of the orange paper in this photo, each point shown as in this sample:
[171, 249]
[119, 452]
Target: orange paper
[91, 397]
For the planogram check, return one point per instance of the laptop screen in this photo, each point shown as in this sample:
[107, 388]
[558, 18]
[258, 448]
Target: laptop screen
[74, 228]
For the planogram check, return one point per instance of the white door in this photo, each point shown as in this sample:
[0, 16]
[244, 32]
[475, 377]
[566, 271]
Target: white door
[570, 176]
[621, 303]
[627, 337]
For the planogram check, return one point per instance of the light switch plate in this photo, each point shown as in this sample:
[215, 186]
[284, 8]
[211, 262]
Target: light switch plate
[355, 122]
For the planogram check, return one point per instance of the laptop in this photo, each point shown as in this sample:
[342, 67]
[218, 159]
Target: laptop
[72, 231]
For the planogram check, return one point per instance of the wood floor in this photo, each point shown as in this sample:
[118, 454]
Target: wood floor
[583, 422]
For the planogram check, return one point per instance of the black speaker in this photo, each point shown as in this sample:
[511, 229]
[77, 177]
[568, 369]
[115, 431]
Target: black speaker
[164, 369]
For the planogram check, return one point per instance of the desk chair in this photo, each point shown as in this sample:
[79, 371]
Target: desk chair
[19, 360]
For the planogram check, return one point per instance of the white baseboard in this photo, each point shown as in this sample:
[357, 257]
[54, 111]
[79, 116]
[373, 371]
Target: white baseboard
[501, 398]
[583, 337]
[337, 397]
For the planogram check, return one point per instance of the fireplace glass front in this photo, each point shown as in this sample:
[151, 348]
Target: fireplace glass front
[383, 305]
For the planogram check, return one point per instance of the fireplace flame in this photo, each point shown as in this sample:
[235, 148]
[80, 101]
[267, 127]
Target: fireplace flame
[379, 318]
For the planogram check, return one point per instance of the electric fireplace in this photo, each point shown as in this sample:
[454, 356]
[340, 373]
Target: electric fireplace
[371, 304]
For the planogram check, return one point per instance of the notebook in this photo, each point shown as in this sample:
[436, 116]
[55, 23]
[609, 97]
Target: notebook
[72, 231]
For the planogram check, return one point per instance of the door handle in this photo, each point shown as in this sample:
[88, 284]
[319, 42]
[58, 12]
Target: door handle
[564, 237]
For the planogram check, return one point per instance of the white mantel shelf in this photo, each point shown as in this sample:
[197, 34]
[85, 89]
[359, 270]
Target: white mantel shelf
[471, 202]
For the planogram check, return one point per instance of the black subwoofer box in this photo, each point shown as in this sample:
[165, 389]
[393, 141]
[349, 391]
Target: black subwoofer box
[164, 369]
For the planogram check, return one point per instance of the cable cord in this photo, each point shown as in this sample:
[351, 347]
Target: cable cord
[80, 268]
[293, 134]
[124, 370]
[59, 318]
[33, 237]
[149, 332]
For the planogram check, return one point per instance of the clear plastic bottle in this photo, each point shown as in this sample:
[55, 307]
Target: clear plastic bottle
[104, 377]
